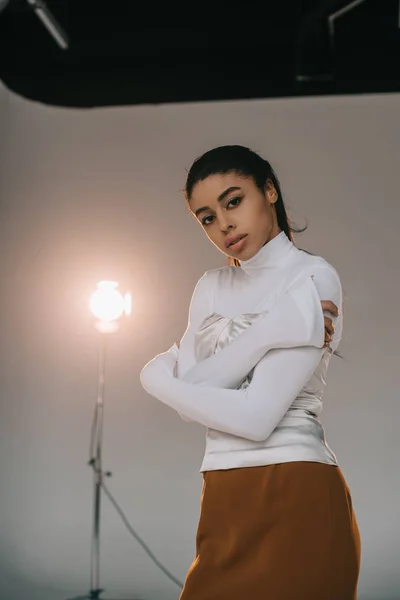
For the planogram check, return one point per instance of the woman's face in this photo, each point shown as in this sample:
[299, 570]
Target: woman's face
[231, 206]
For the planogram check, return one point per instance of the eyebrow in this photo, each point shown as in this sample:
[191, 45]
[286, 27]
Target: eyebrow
[221, 197]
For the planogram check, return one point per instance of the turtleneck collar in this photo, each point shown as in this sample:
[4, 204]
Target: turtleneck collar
[271, 255]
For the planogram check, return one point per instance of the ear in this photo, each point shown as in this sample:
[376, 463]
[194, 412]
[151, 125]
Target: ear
[270, 192]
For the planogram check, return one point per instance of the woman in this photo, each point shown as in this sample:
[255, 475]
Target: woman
[276, 516]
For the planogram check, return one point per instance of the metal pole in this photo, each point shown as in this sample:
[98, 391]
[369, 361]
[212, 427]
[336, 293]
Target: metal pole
[95, 590]
[336, 15]
[50, 22]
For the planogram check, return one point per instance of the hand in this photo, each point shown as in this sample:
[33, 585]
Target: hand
[329, 306]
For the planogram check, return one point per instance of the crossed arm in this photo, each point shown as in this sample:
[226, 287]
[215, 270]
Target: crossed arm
[285, 347]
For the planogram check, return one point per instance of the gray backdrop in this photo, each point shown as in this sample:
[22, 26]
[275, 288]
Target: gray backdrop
[90, 195]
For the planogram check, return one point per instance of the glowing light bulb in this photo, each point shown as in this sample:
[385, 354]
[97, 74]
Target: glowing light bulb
[108, 305]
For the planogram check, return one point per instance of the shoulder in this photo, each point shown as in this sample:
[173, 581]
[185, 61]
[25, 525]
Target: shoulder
[202, 300]
[219, 275]
[324, 275]
[317, 266]
[211, 279]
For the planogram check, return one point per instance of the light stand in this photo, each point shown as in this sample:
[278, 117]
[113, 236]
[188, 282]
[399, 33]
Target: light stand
[108, 305]
[95, 462]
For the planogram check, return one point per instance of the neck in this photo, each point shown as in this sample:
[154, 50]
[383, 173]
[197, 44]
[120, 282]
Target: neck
[271, 255]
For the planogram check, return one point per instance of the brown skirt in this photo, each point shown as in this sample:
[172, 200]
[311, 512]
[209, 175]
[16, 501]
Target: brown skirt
[276, 532]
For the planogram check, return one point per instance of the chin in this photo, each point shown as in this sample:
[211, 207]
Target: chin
[242, 255]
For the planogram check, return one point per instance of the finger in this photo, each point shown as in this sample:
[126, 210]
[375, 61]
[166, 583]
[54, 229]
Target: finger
[329, 306]
[328, 336]
[329, 326]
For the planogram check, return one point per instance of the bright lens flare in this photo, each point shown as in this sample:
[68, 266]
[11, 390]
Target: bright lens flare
[108, 304]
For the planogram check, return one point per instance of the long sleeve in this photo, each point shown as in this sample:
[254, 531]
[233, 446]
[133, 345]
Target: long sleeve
[252, 413]
[278, 378]
[200, 307]
[284, 326]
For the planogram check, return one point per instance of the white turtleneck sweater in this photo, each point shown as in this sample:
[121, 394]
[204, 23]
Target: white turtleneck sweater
[275, 419]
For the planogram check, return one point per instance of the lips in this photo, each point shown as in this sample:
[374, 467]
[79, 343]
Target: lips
[233, 239]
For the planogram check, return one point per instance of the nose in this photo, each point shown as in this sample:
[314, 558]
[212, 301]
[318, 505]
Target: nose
[225, 225]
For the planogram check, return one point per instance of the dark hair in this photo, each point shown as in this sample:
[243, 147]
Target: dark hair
[245, 162]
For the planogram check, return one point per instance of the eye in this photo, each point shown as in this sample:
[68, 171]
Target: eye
[205, 222]
[237, 200]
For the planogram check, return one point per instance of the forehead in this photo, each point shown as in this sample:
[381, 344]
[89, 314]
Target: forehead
[208, 190]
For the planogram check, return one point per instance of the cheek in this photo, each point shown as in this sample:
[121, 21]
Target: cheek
[262, 213]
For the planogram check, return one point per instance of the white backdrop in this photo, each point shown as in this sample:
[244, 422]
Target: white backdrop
[90, 195]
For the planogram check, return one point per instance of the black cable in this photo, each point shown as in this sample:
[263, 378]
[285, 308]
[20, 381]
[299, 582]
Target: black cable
[92, 462]
[138, 538]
